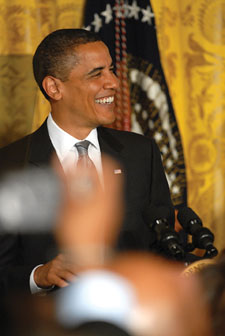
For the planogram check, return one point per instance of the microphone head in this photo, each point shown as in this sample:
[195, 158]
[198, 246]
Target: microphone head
[161, 220]
[185, 216]
[154, 213]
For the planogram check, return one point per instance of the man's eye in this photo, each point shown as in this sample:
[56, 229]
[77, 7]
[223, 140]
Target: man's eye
[97, 74]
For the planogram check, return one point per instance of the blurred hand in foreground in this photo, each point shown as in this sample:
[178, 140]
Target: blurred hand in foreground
[91, 214]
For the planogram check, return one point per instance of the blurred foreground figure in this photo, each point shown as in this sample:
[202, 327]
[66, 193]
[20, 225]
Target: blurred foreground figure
[138, 293]
[212, 278]
[109, 293]
[98, 329]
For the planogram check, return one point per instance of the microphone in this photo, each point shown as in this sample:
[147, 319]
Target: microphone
[161, 220]
[202, 237]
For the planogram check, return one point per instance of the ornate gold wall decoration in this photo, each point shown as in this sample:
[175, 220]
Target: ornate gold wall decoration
[202, 154]
[23, 25]
[186, 16]
[211, 21]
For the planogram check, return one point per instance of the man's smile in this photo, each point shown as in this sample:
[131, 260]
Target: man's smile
[107, 100]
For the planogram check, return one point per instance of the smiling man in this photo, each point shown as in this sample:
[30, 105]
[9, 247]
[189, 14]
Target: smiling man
[74, 71]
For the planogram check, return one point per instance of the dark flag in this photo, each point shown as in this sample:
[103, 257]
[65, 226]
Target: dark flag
[143, 103]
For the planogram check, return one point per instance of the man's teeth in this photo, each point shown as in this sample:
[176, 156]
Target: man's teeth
[107, 100]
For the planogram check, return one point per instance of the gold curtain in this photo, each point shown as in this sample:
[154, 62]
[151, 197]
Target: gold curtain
[23, 25]
[191, 37]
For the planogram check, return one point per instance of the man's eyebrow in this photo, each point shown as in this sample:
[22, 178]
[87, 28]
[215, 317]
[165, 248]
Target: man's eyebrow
[93, 71]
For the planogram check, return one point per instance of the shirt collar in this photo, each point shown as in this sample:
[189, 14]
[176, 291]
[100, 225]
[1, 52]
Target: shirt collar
[64, 142]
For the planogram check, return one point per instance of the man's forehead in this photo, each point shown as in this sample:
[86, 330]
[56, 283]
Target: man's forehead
[89, 45]
[93, 48]
[93, 55]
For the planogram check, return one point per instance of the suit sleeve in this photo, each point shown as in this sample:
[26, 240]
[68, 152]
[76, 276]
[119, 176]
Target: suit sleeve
[13, 277]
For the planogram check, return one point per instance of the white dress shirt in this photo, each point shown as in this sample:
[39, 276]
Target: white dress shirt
[64, 145]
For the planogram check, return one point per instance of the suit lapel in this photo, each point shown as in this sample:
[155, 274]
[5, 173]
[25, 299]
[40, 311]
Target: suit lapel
[110, 145]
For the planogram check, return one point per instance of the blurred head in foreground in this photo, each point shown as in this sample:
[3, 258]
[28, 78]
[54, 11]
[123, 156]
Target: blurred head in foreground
[139, 294]
[212, 278]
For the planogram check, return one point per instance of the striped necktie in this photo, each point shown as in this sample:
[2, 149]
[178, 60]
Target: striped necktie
[83, 159]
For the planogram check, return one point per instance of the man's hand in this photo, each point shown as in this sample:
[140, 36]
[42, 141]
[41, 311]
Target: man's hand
[56, 272]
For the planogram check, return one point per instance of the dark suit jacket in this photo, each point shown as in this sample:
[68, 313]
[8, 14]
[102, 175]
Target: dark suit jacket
[145, 184]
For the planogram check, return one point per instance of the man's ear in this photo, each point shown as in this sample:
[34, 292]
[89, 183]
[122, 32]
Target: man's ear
[51, 85]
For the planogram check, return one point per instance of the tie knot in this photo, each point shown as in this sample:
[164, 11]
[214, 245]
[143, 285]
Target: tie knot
[82, 147]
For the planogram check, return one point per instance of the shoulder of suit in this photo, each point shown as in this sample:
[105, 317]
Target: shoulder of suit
[16, 152]
[24, 140]
[16, 144]
[120, 134]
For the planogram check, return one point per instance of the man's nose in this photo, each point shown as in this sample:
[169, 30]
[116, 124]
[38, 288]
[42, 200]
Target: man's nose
[111, 82]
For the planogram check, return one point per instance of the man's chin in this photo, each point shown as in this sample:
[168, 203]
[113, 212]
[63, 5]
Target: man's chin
[108, 122]
[108, 119]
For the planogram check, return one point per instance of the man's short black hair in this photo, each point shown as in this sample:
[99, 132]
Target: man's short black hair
[55, 56]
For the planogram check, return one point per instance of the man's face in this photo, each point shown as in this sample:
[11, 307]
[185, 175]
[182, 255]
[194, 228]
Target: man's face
[89, 92]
